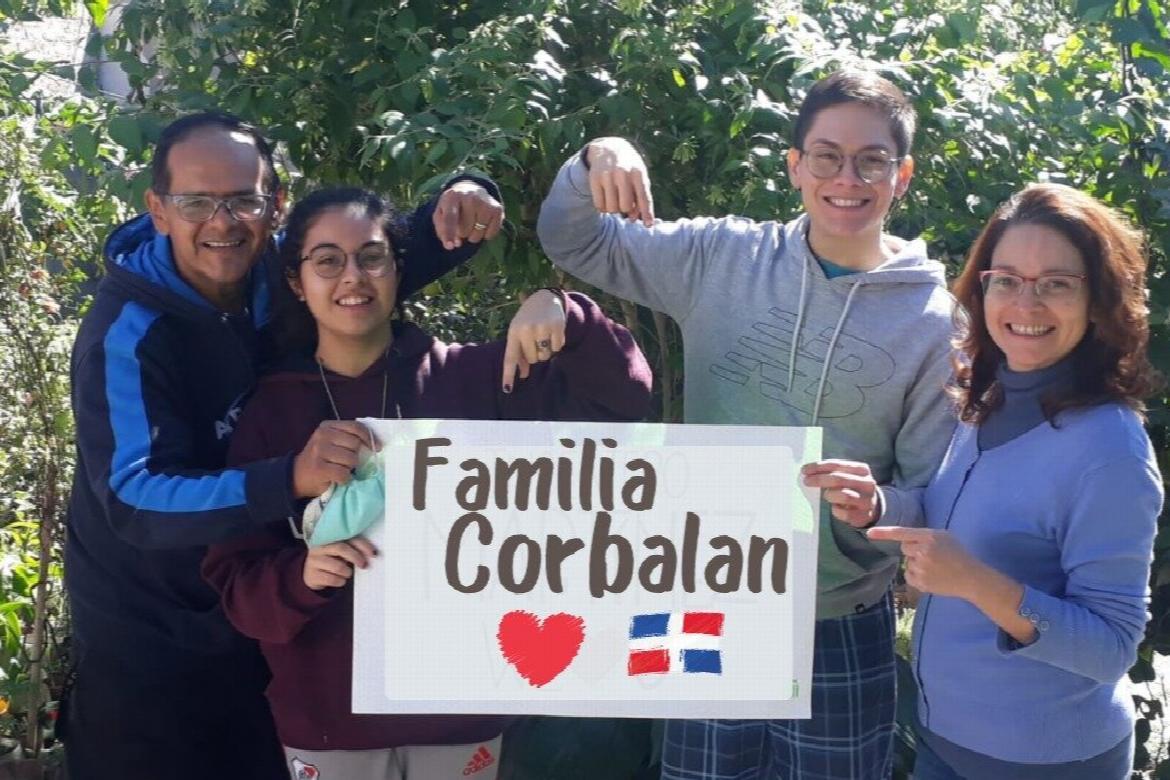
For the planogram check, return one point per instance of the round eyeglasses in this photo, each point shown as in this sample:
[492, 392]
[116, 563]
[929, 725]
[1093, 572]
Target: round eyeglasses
[871, 165]
[1051, 288]
[329, 262]
[201, 208]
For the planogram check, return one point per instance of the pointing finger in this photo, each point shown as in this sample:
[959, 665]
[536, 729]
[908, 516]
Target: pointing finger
[512, 357]
[469, 217]
[645, 203]
[627, 195]
[447, 220]
[598, 189]
[894, 533]
[612, 202]
[828, 466]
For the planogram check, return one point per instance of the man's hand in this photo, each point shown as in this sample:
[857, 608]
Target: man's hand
[332, 565]
[329, 457]
[467, 212]
[848, 487]
[536, 333]
[619, 180]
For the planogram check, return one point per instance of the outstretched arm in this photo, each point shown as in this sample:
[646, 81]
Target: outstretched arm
[598, 224]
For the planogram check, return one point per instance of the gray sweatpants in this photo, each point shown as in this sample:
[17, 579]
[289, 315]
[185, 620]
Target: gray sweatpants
[477, 761]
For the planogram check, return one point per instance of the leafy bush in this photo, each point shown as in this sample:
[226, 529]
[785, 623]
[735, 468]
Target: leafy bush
[50, 220]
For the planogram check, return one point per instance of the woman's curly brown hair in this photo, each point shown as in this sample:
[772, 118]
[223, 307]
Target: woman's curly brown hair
[1111, 360]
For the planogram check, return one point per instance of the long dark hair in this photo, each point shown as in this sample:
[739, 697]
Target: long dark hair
[293, 323]
[1111, 361]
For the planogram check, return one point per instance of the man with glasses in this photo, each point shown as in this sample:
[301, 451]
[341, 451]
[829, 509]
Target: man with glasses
[164, 687]
[827, 321]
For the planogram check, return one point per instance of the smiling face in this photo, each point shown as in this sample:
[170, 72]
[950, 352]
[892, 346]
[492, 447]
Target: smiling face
[845, 209]
[353, 309]
[1033, 334]
[215, 256]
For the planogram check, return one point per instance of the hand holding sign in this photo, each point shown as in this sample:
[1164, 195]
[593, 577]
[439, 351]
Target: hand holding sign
[935, 562]
[848, 486]
[329, 457]
[332, 565]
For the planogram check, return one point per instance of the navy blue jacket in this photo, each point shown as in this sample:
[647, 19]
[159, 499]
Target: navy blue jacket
[159, 377]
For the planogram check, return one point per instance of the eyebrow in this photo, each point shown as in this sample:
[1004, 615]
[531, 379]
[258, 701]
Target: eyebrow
[331, 245]
[1014, 270]
[835, 145]
[235, 194]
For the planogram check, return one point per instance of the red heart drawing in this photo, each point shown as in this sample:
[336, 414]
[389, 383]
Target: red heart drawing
[540, 649]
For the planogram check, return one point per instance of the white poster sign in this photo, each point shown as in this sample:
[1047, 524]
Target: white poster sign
[599, 569]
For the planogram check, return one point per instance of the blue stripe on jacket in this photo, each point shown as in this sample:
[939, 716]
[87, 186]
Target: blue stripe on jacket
[130, 476]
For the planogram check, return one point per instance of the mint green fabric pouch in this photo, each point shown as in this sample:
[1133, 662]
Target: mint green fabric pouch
[349, 509]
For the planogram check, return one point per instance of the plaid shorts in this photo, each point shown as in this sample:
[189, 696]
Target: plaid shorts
[850, 734]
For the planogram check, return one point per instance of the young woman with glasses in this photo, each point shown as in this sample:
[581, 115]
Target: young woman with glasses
[345, 358]
[1035, 545]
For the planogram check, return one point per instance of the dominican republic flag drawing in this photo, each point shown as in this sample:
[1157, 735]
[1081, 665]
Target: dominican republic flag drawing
[676, 642]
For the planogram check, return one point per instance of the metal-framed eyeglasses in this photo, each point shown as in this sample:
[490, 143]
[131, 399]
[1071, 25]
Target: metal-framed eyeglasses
[870, 165]
[202, 208]
[329, 262]
[1050, 288]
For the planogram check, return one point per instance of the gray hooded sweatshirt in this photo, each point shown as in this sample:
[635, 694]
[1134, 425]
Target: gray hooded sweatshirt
[768, 339]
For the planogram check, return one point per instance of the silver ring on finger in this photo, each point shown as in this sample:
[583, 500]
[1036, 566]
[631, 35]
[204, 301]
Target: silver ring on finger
[479, 226]
[544, 345]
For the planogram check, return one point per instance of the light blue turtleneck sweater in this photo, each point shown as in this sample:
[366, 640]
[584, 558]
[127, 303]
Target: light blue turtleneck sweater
[1070, 512]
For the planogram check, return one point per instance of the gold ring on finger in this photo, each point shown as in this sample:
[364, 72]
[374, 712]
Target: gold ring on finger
[479, 226]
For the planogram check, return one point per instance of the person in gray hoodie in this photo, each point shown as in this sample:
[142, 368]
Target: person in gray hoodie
[823, 321]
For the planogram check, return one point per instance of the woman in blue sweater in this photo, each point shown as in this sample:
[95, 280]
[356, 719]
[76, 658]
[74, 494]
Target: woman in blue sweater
[1039, 525]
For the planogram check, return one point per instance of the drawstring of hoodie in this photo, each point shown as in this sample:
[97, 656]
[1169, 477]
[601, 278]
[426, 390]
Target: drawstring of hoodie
[799, 322]
[829, 353]
[832, 342]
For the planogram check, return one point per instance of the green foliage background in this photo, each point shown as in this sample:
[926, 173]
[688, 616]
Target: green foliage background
[396, 95]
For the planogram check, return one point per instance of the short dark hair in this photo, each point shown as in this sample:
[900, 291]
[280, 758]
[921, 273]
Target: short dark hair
[1111, 360]
[294, 326]
[184, 127]
[863, 87]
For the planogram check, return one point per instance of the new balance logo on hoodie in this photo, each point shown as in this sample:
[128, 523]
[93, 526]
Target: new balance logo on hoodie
[760, 361]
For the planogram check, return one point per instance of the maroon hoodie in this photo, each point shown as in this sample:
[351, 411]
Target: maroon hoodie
[307, 636]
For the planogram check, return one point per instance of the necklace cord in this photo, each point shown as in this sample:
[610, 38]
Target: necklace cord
[329, 393]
